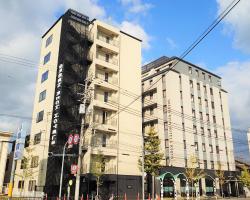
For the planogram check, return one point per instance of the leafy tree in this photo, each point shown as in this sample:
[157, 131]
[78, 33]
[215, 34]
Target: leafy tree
[245, 177]
[27, 169]
[220, 175]
[98, 169]
[153, 156]
[192, 173]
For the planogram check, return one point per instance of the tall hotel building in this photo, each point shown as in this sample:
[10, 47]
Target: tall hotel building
[92, 63]
[188, 108]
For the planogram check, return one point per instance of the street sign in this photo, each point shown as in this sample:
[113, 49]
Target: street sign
[76, 138]
[70, 141]
[74, 169]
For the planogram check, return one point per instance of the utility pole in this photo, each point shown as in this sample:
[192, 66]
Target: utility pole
[142, 166]
[79, 163]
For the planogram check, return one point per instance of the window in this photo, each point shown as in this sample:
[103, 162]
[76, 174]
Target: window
[32, 185]
[20, 184]
[204, 75]
[205, 164]
[39, 116]
[195, 129]
[49, 40]
[151, 82]
[197, 72]
[151, 95]
[182, 110]
[217, 150]
[201, 116]
[212, 164]
[214, 119]
[211, 148]
[190, 70]
[165, 125]
[106, 77]
[164, 93]
[165, 108]
[191, 84]
[199, 100]
[215, 134]
[211, 91]
[223, 122]
[212, 105]
[225, 135]
[104, 117]
[143, 86]
[198, 87]
[107, 39]
[23, 163]
[193, 113]
[205, 89]
[184, 144]
[34, 161]
[196, 146]
[107, 57]
[37, 138]
[202, 131]
[183, 126]
[44, 76]
[203, 147]
[166, 143]
[206, 103]
[186, 162]
[163, 79]
[209, 78]
[181, 94]
[192, 98]
[46, 58]
[151, 111]
[179, 80]
[209, 132]
[42, 95]
[207, 116]
[106, 95]
[104, 140]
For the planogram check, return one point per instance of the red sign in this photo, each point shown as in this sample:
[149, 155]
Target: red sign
[74, 169]
[70, 141]
[76, 138]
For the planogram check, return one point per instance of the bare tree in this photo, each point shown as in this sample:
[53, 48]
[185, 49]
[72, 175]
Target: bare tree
[192, 173]
[219, 173]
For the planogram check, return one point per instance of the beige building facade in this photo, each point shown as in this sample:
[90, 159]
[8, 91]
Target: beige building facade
[76, 52]
[188, 107]
[4, 146]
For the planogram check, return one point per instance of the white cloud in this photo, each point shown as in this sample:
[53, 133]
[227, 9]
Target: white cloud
[136, 30]
[136, 6]
[171, 43]
[235, 77]
[237, 23]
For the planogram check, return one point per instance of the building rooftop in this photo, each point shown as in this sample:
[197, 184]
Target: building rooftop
[164, 59]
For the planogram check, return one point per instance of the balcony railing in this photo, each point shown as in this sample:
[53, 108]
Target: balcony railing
[112, 121]
[107, 39]
[112, 80]
[102, 57]
[111, 99]
[109, 145]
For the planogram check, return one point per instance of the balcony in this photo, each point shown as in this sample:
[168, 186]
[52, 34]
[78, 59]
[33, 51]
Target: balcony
[108, 84]
[107, 62]
[106, 125]
[148, 102]
[111, 103]
[108, 42]
[107, 149]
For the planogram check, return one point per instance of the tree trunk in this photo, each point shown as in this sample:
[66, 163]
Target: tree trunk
[153, 187]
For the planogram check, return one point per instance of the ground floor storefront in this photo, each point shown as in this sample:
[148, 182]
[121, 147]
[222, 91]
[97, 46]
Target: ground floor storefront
[173, 182]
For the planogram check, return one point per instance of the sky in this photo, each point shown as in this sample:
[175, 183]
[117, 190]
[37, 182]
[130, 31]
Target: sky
[166, 27]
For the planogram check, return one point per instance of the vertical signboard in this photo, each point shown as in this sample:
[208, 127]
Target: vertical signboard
[56, 109]
[20, 141]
